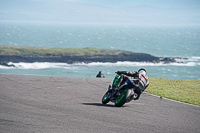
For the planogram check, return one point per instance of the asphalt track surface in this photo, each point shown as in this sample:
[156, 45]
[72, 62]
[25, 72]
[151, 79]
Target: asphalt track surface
[50, 104]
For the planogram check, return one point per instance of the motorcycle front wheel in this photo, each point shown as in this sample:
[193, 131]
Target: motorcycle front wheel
[106, 97]
[122, 98]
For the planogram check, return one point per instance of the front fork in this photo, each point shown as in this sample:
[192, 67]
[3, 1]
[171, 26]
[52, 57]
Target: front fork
[116, 81]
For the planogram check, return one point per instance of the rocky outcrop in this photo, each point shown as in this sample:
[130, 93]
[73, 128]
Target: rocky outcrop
[96, 56]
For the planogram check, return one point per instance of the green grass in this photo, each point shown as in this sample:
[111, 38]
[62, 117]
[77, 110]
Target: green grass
[13, 50]
[181, 90]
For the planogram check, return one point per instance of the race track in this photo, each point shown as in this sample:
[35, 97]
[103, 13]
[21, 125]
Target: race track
[50, 104]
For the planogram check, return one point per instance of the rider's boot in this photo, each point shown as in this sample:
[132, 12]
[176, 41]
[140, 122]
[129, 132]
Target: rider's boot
[137, 94]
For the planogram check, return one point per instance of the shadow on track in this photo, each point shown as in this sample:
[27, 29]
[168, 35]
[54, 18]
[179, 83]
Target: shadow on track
[100, 104]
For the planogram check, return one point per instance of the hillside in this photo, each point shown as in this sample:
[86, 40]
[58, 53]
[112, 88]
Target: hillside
[73, 55]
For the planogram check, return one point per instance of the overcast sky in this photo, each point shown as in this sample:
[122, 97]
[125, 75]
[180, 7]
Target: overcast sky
[158, 3]
[143, 12]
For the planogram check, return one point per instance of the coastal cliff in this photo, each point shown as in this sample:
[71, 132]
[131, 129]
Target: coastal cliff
[73, 55]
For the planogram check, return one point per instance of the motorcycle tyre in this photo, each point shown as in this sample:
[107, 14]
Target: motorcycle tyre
[123, 98]
[105, 98]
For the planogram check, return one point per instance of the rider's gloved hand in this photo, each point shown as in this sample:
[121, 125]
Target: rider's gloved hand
[136, 73]
[118, 72]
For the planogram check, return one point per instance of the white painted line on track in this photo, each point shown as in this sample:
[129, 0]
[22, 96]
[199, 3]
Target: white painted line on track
[171, 99]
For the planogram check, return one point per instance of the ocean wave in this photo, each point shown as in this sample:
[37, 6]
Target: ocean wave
[45, 65]
[38, 65]
[198, 58]
[4, 67]
[190, 59]
[194, 59]
[127, 63]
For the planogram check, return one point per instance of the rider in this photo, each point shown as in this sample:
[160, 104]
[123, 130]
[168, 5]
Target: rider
[100, 75]
[140, 79]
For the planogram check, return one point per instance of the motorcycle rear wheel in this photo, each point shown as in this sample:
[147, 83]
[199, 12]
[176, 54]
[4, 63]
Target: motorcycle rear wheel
[122, 98]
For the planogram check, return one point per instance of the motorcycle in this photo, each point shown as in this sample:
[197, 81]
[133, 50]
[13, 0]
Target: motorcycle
[124, 94]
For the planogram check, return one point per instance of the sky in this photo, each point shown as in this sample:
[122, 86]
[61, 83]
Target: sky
[157, 3]
[134, 12]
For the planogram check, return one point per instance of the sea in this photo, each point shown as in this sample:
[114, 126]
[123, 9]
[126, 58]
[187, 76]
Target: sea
[182, 42]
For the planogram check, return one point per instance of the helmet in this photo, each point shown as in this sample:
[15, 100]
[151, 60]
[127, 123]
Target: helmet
[142, 71]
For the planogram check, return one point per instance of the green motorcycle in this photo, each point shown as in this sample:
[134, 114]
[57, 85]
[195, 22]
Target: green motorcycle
[122, 95]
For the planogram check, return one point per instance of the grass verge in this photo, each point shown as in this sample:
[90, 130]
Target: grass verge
[187, 91]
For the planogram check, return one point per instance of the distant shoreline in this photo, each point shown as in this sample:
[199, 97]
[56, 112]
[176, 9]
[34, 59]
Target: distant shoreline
[26, 54]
